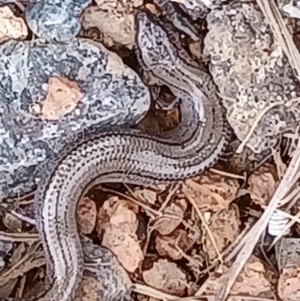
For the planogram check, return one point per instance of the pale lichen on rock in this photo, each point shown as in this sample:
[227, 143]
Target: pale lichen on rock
[253, 75]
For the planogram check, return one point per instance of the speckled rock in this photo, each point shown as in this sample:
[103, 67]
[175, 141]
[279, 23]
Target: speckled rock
[113, 95]
[253, 75]
[55, 20]
[107, 280]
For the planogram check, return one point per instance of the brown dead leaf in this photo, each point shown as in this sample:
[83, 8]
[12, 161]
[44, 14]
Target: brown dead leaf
[12, 222]
[147, 195]
[62, 97]
[89, 289]
[168, 225]
[166, 245]
[120, 232]
[263, 184]
[212, 191]
[196, 49]
[152, 8]
[167, 277]
[225, 229]
[11, 27]
[108, 209]
[252, 281]
[288, 259]
[120, 5]
[288, 285]
[87, 215]
[114, 19]
[125, 246]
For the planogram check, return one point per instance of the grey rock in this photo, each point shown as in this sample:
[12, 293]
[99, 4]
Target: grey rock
[55, 20]
[113, 95]
[113, 282]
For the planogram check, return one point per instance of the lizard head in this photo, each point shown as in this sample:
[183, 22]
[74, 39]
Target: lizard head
[153, 44]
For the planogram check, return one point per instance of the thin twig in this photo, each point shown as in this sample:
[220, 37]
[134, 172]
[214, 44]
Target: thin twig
[282, 36]
[209, 232]
[287, 182]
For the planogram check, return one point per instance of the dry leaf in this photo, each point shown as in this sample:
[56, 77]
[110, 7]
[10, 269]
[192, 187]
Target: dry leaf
[89, 288]
[288, 285]
[125, 246]
[166, 245]
[263, 184]
[212, 191]
[108, 209]
[115, 24]
[152, 8]
[196, 49]
[12, 222]
[168, 225]
[167, 277]
[252, 281]
[147, 195]
[225, 229]
[288, 259]
[120, 233]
